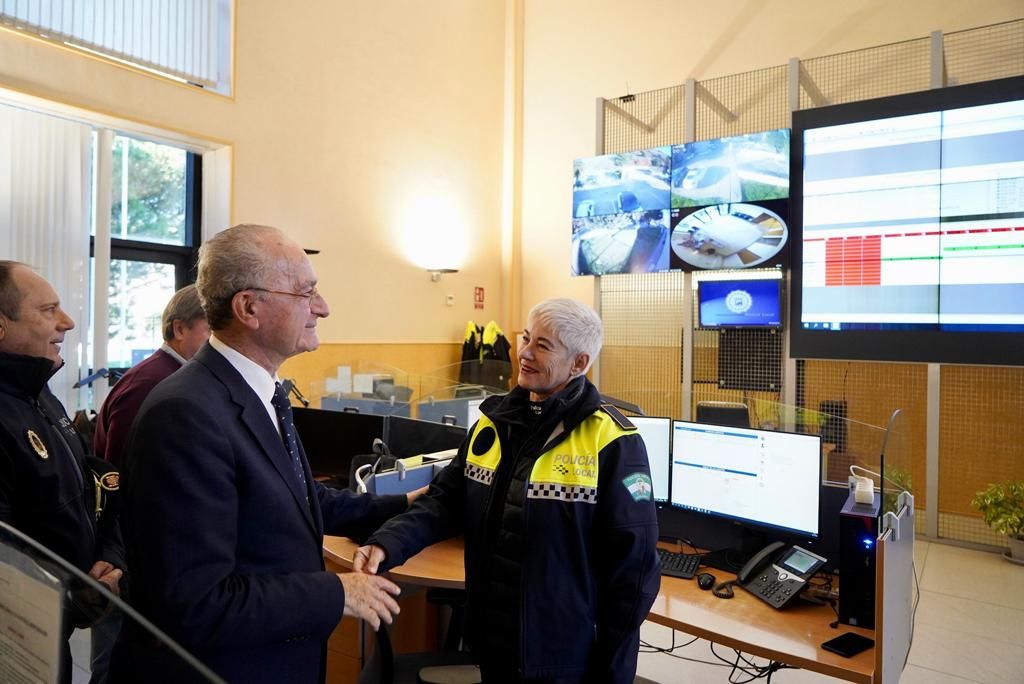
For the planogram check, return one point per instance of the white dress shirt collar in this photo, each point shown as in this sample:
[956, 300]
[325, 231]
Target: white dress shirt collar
[167, 349]
[255, 375]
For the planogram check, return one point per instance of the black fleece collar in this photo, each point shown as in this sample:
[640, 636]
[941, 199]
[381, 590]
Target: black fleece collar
[25, 375]
[571, 405]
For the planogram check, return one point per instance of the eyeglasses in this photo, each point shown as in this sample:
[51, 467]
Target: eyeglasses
[308, 296]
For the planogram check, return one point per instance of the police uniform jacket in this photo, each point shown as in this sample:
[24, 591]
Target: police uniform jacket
[555, 502]
[46, 488]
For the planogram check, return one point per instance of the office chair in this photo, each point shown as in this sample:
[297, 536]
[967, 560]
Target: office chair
[447, 666]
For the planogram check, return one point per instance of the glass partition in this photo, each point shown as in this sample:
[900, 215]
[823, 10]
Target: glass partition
[44, 599]
[365, 387]
[879, 452]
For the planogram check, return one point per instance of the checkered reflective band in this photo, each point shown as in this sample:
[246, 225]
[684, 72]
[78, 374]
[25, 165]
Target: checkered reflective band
[546, 490]
[481, 475]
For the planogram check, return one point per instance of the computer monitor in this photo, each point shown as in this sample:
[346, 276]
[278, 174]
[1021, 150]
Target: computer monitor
[410, 437]
[759, 478]
[331, 438]
[740, 303]
[657, 434]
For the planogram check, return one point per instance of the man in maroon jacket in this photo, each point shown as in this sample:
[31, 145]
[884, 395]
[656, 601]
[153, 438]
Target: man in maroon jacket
[185, 331]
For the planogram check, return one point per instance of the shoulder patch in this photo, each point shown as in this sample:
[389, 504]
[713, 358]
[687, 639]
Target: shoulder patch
[639, 486]
[617, 415]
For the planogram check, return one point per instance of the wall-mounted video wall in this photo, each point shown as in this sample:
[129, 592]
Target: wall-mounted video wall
[905, 222]
[713, 204]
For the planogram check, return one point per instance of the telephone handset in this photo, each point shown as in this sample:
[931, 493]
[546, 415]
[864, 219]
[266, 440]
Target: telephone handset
[759, 560]
[777, 575]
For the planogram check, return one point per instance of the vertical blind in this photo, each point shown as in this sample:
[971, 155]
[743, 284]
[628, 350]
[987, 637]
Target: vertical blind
[44, 220]
[186, 39]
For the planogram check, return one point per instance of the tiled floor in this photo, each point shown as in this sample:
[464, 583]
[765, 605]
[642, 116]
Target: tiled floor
[968, 628]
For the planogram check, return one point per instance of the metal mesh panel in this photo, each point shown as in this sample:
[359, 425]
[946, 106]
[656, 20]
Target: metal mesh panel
[869, 393]
[756, 101]
[644, 120]
[985, 53]
[873, 72]
[643, 321]
[981, 440]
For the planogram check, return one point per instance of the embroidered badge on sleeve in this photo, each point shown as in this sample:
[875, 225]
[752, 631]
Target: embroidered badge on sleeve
[639, 486]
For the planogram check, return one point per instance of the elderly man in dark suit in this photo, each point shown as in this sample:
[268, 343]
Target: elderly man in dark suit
[223, 520]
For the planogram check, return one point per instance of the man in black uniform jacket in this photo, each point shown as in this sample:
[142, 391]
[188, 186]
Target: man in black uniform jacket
[46, 488]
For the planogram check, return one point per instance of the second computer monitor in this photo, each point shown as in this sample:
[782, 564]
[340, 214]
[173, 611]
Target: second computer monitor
[758, 477]
[656, 433]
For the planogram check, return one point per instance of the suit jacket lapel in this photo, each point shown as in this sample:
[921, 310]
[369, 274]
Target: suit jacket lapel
[255, 418]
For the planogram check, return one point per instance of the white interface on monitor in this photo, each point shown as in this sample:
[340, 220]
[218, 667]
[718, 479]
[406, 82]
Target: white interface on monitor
[915, 220]
[760, 476]
[655, 433]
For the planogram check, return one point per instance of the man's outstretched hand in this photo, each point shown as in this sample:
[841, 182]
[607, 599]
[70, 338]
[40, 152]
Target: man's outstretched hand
[369, 597]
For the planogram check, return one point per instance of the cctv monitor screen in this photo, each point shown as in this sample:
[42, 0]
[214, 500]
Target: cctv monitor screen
[743, 168]
[656, 433]
[620, 212]
[912, 216]
[739, 303]
[636, 242]
[755, 477]
[621, 183]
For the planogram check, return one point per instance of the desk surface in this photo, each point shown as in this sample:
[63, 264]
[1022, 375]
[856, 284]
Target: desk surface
[792, 636]
[439, 565]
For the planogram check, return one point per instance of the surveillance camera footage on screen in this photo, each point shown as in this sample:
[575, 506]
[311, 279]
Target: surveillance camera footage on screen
[711, 204]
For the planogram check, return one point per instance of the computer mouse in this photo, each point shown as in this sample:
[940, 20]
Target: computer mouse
[705, 580]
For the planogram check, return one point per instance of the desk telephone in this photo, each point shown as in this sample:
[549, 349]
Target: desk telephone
[777, 574]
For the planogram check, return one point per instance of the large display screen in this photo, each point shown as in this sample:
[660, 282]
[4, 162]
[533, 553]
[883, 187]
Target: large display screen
[912, 227]
[712, 204]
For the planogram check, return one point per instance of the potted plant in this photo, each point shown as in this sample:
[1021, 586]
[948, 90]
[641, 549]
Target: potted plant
[1002, 507]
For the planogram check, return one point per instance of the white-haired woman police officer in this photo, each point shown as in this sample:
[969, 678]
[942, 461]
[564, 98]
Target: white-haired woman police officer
[552, 490]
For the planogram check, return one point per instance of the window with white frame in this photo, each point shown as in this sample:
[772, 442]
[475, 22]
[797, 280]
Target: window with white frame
[188, 41]
[112, 216]
[155, 205]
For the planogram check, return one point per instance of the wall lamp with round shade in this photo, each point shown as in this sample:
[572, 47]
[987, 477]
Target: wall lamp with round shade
[433, 233]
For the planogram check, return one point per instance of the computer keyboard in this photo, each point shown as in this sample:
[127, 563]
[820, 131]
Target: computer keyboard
[683, 565]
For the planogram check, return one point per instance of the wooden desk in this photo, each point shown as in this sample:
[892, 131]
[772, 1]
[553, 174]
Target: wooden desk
[437, 566]
[792, 636]
[416, 630]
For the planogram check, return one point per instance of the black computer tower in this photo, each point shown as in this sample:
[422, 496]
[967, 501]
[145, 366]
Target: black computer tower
[858, 535]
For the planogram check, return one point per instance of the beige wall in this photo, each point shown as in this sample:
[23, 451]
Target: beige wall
[578, 50]
[346, 115]
[352, 115]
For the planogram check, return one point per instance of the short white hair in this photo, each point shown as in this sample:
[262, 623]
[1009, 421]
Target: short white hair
[577, 326]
